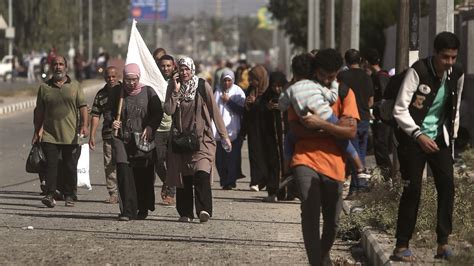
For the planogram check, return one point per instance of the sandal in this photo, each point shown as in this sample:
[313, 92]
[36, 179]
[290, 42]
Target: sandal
[402, 254]
[112, 199]
[447, 254]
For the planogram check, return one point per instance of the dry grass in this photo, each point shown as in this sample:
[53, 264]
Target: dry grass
[380, 205]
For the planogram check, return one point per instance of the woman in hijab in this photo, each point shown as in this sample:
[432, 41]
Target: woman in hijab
[190, 101]
[253, 120]
[274, 126]
[135, 113]
[230, 100]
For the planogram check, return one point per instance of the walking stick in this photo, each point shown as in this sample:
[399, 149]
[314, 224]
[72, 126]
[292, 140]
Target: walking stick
[119, 111]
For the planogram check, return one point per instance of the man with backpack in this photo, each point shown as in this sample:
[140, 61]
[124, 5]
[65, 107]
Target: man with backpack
[382, 133]
[427, 113]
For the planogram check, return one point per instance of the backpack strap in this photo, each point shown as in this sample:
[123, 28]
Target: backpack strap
[343, 91]
[201, 89]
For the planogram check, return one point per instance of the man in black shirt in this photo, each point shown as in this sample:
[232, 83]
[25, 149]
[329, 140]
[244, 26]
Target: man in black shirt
[382, 133]
[98, 109]
[357, 79]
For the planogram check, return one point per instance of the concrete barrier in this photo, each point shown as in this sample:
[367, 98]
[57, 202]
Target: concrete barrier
[31, 103]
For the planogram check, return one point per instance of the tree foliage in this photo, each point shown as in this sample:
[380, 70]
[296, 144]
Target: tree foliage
[375, 16]
[41, 24]
[293, 17]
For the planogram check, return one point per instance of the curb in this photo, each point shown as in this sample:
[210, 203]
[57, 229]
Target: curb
[17, 107]
[20, 106]
[372, 249]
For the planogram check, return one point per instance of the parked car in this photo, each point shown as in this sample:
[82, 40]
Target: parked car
[6, 68]
[6, 72]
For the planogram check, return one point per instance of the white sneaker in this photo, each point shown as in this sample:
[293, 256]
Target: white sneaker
[363, 175]
[254, 188]
[184, 219]
[204, 216]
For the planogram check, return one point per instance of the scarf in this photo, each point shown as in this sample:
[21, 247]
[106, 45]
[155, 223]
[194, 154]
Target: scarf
[188, 88]
[260, 74]
[226, 73]
[132, 70]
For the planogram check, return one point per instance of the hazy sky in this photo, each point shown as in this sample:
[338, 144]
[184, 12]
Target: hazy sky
[228, 7]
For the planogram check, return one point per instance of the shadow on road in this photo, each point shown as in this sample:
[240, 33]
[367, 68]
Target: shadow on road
[21, 183]
[179, 238]
[12, 192]
[256, 200]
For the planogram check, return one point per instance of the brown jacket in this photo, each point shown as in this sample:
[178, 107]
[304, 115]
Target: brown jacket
[186, 164]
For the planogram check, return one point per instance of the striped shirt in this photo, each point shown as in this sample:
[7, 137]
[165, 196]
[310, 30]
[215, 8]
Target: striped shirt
[306, 95]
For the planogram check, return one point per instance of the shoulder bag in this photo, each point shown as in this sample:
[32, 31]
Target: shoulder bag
[187, 140]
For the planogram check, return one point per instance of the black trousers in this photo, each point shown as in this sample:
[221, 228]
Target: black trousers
[201, 182]
[412, 162]
[136, 189]
[383, 138]
[68, 167]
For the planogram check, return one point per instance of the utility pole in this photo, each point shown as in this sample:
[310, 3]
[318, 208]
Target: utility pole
[441, 18]
[219, 8]
[10, 25]
[414, 28]
[401, 62]
[155, 25]
[329, 40]
[90, 30]
[350, 25]
[102, 6]
[81, 30]
[313, 25]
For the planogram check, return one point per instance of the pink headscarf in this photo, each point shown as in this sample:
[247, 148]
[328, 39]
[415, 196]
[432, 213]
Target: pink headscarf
[132, 69]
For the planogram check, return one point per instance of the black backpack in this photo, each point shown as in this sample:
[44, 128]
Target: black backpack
[385, 109]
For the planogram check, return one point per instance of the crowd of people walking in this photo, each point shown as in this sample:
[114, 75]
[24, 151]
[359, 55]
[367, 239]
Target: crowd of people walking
[311, 128]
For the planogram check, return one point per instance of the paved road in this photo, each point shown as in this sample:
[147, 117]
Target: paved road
[244, 230]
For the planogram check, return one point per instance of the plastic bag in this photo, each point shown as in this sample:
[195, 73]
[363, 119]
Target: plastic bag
[36, 159]
[83, 176]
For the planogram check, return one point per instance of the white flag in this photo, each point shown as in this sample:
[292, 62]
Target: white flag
[139, 54]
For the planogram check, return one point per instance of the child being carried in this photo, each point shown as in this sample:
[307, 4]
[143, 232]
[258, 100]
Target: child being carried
[307, 96]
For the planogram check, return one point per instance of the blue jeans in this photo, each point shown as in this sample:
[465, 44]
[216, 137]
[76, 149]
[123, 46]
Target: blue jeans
[360, 144]
[289, 145]
[346, 145]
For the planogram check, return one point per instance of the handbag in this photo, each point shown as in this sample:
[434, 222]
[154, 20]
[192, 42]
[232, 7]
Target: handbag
[186, 141]
[36, 159]
[142, 145]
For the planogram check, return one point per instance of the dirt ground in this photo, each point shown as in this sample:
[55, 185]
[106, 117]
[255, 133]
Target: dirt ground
[243, 231]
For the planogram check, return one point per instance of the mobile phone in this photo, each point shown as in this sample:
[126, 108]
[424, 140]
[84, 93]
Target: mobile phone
[304, 112]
